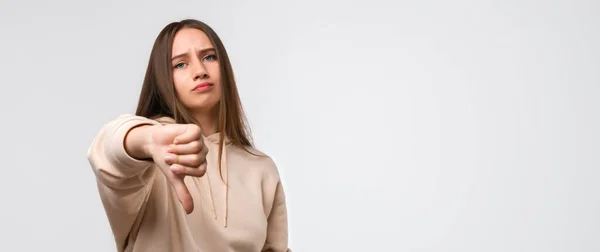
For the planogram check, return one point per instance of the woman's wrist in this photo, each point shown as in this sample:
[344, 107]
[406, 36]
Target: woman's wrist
[138, 141]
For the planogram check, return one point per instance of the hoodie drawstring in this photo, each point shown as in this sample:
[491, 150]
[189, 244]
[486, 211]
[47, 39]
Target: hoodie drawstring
[214, 140]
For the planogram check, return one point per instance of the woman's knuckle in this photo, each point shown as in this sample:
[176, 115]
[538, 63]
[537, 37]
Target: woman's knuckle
[194, 159]
[202, 169]
[196, 147]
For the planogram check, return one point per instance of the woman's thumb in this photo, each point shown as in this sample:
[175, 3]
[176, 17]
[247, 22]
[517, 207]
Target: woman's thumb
[183, 194]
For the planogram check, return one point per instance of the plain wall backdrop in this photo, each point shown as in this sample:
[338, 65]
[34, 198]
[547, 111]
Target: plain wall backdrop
[459, 126]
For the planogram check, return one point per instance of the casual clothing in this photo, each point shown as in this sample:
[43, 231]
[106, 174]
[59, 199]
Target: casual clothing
[247, 214]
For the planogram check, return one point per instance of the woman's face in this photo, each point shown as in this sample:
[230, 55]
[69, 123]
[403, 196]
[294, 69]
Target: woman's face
[196, 73]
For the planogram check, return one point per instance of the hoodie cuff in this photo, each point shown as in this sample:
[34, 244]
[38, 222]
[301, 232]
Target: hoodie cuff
[116, 144]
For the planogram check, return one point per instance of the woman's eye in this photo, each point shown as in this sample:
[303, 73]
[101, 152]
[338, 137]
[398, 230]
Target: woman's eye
[180, 65]
[211, 57]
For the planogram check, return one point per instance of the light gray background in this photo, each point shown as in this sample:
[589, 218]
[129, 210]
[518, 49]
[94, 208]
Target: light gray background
[397, 125]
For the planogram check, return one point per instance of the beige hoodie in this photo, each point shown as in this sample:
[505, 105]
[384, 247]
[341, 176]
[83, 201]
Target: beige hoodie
[144, 212]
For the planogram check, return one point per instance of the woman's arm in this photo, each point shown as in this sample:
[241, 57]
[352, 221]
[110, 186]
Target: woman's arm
[137, 142]
[116, 156]
[277, 230]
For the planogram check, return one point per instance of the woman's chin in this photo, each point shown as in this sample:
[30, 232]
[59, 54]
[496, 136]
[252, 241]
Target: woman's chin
[203, 107]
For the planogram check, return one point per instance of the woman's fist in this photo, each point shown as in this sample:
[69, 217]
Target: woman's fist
[179, 151]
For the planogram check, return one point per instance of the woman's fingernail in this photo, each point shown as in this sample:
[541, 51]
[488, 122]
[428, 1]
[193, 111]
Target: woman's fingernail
[169, 158]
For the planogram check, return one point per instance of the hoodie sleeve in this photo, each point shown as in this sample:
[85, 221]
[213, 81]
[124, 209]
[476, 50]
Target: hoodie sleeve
[277, 229]
[123, 181]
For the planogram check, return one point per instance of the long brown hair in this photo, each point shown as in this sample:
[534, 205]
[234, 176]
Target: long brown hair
[158, 97]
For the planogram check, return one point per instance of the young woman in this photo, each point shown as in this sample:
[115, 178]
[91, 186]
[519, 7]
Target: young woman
[182, 174]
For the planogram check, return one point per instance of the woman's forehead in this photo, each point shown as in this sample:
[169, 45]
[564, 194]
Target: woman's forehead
[190, 39]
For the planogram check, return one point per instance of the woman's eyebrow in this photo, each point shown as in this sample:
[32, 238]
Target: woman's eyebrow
[185, 54]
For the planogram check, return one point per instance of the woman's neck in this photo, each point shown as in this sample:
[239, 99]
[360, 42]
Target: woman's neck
[208, 122]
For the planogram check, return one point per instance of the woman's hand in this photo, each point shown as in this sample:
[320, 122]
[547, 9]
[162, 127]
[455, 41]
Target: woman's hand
[179, 151]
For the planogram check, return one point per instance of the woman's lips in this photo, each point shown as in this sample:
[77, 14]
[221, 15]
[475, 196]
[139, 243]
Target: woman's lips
[202, 87]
